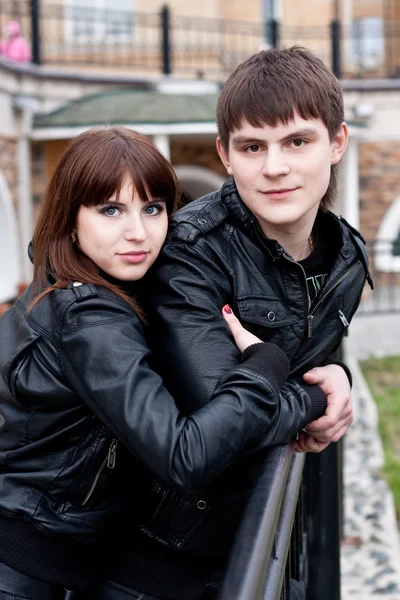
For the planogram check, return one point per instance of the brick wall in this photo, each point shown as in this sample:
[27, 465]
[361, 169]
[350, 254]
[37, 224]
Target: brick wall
[201, 154]
[379, 169]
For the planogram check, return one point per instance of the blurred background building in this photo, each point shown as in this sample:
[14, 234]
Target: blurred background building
[158, 69]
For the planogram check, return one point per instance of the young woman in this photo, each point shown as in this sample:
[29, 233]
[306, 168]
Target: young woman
[83, 417]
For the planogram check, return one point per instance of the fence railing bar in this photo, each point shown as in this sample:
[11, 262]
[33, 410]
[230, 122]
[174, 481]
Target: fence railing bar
[276, 571]
[255, 539]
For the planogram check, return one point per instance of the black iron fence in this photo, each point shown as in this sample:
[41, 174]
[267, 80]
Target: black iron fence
[76, 36]
[288, 545]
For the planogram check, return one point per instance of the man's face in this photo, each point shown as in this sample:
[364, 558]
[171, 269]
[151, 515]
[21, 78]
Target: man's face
[283, 172]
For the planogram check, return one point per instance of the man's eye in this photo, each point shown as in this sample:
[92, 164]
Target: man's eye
[298, 143]
[253, 148]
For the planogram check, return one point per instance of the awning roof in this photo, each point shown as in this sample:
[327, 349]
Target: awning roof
[131, 106]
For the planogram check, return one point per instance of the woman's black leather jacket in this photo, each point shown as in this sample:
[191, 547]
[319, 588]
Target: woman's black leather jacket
[76, 392]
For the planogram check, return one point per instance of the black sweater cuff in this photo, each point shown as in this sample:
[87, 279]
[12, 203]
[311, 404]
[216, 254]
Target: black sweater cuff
[267, 360]
[318, 400]
[332, 360]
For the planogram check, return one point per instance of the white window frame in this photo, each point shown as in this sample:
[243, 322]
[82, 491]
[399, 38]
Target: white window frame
[368, 42]
[10, 267]
[93, 21]
[388, 233]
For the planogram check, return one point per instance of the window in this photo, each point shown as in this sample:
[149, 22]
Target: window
[368, 42]
[10, 269]
[387, 245]
[98, 21]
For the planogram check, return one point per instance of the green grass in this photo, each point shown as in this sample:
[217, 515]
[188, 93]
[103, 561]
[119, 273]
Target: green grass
[383, 378]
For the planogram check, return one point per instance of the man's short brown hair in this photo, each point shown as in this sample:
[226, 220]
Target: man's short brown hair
[273, 85]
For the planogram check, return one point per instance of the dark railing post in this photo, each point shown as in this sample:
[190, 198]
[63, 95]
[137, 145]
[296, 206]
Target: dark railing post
[165, 40]
[335, 38]
[35, 31]
[324, 504]
[274, 25]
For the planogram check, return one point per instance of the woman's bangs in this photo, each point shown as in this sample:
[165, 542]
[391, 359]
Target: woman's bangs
[101, 182]
[152, 177]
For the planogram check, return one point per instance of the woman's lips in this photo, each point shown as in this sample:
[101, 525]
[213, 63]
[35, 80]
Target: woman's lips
[134, 257]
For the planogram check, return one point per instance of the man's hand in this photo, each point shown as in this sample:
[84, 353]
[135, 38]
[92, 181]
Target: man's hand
[306, 443]
[339, 413]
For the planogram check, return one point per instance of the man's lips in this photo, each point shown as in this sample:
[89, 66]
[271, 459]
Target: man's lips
[279, 193]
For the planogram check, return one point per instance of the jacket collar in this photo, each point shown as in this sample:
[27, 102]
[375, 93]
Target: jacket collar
[232, 201]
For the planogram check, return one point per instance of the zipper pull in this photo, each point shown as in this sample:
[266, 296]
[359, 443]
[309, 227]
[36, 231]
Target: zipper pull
[309, 321]
[112, 454]
[342, 317]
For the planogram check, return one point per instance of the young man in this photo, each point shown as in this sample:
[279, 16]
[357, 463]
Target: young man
[267, 246]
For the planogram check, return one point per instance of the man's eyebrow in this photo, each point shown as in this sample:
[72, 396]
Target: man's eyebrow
[239, 140]
[299, 133]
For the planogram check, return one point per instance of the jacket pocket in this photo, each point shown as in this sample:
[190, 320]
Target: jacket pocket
[264, 311]
[171, 517]
[269, 320]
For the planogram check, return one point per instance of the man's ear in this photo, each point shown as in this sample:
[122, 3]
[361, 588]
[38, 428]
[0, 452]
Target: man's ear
[339, 143]
[224, 156]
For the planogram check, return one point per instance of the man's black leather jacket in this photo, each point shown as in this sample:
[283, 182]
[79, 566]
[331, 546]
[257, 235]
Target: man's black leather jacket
[217, 254]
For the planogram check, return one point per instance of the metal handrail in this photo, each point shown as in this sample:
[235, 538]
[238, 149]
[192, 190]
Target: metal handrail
[276, 572]
[263, 538]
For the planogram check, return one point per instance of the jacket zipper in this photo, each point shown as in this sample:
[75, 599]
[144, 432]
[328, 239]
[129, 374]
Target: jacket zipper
[310, 315]
[342, 316]
[108, 462]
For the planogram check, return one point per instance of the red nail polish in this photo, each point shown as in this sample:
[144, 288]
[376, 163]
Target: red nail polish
[227, 309]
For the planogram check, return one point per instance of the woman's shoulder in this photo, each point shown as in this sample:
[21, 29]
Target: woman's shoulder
[87, 304]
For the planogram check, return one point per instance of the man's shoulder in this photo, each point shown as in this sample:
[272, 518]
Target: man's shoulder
[197, 218]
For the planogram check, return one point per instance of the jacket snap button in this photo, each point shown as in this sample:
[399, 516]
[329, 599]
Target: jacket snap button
[346, 253]
[202, 221]
[271, 316]
[201, 504]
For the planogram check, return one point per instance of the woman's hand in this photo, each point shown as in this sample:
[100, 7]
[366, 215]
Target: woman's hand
[242, 337]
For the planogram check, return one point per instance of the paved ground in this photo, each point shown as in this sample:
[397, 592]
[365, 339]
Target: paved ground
[371, 551]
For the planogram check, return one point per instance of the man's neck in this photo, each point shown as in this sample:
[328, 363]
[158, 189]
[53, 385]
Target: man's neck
[298, 243]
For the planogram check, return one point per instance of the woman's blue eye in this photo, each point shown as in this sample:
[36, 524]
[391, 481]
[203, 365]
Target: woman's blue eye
[153, 209]
[109, 211]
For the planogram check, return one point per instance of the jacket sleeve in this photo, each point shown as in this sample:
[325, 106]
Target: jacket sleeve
[104, 356]
[194, 348]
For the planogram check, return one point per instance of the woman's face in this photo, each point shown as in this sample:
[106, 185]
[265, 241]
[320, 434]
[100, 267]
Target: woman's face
[123, 238]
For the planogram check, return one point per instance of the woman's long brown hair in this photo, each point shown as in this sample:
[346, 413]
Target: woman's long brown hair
[90, 171]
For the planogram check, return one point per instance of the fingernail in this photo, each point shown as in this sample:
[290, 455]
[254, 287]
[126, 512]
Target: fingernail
[227, 309]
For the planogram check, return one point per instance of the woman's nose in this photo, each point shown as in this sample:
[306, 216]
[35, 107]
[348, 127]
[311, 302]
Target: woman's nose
[136, 230]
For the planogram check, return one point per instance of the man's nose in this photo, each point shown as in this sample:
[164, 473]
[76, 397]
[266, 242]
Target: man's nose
[275, 164]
